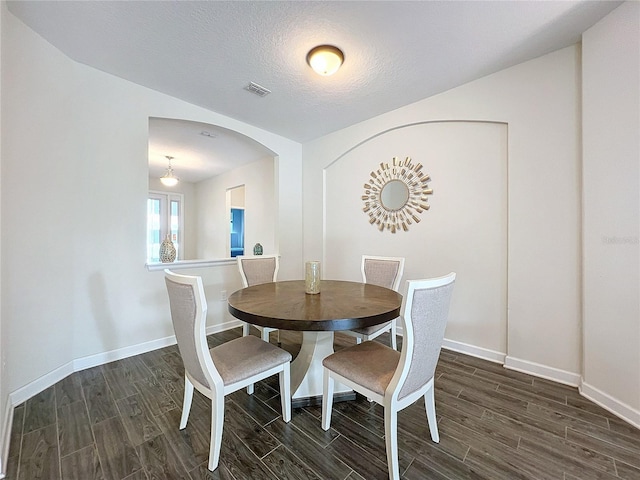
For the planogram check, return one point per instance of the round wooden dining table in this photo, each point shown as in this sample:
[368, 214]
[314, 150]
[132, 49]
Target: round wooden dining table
[340, 305]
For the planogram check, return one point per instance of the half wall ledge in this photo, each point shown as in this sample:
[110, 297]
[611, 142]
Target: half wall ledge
[182, 264]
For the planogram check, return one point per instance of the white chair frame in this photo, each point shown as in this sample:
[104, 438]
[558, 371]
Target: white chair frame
[218, 390]
[264, 331]
[392, 327]
[392, 405]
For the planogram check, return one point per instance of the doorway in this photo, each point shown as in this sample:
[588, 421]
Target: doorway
[236, 223]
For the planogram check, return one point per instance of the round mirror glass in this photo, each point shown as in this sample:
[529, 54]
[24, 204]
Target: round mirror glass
[394, 195]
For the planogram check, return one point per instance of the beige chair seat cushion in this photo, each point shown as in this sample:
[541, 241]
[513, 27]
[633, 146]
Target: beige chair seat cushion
[244, 357]
[369, 364]
[373, 329]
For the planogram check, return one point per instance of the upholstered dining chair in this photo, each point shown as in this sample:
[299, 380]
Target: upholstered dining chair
[394, 379]
[221, 370]
[254, 271]
[384, 272]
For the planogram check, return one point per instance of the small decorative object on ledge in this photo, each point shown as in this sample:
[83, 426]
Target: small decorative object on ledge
[167, 250]
[396, 195]
[312, 277]
[257, 249]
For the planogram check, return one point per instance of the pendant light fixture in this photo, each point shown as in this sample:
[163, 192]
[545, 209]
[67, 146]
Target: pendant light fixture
[169, 179]
[325, 59]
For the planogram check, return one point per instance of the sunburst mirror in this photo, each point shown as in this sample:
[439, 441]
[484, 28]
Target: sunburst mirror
[396, 195]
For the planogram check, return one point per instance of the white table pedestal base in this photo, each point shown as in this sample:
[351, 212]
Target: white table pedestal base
[306, 369]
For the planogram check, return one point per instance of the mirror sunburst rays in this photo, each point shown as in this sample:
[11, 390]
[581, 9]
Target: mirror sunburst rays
[416, 181]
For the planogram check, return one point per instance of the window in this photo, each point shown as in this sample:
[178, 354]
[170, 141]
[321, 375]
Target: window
[164, 217]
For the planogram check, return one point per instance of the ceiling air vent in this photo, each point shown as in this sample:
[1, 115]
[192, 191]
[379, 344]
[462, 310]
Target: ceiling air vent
[257, 89]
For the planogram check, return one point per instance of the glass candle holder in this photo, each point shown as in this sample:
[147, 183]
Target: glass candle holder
[312, 277]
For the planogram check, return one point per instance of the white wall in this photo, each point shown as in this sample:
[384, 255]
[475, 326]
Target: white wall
[539, 103]
[611, 175]
[236, 197]
[74, 189]
[465, 229]
[4, 390]
[289, 216]
[260, 212]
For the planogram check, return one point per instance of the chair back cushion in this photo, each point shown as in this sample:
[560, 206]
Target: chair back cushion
[184, 314]
[426, 322]
[256, 270]
[382, 272]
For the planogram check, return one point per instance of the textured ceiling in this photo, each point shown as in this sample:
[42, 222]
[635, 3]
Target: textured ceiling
[396, 52]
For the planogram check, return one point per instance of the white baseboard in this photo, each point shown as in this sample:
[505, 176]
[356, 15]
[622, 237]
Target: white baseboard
[224, 326]
[111, 356]
[23, 394]
[467, 349]
[484, 353]
[618, 408]
[19, 396]
[543, 371]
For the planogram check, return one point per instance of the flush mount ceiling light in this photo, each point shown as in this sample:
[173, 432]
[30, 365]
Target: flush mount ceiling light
[325, 59]
[169, 179]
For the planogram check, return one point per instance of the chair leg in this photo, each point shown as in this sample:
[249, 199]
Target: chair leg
[265, 337]
[358, 340]
[430, 406]
[217, 422]
[327, 400]
[394, 342]
[186, 403]
[285, 392]
[245, 329]
[391, 442]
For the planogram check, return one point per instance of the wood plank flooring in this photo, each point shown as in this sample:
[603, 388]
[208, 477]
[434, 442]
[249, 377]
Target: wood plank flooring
[120, 422]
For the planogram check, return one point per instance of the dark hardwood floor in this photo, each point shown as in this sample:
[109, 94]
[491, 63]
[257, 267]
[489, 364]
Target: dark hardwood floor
[120, 421]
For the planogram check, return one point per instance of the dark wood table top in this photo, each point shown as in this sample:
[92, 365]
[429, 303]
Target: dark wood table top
[340, 305]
